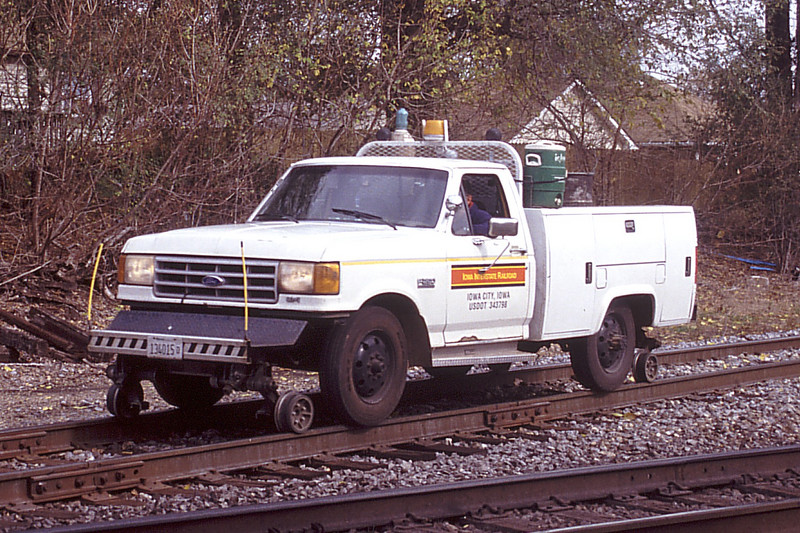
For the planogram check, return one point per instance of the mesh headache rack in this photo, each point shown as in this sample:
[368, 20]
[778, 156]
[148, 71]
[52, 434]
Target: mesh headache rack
[494, 151]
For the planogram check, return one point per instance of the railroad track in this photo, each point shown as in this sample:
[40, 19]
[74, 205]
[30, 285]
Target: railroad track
[55, 438]
[687, 494]
[419, 437]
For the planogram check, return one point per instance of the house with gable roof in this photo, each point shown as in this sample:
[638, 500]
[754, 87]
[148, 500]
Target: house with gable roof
[644, 152]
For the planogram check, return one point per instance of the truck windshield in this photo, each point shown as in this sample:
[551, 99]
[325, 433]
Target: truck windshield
[397, 196]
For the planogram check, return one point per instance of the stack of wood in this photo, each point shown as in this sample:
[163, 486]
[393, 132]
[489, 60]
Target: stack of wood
[42, 334]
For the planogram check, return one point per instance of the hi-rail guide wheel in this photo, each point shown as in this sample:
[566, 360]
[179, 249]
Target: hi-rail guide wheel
[293, 412]
[645, 367]
[126, 400]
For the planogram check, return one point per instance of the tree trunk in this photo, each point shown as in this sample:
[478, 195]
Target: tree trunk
[35, 129]
[779, 45]
[797, 57]
[399, 22]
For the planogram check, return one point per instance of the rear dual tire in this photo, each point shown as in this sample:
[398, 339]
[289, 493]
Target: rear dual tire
[601, 362]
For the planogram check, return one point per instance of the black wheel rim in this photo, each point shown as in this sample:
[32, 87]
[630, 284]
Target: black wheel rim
[611, 343]
[372, 366]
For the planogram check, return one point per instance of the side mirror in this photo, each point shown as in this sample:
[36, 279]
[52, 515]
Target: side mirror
[503, 227]
[453, 203]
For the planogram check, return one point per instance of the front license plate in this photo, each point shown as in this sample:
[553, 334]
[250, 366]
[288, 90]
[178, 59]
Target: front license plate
[165, 347]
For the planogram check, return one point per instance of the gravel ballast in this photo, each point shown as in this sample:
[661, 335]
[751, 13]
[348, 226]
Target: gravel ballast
[761, 415]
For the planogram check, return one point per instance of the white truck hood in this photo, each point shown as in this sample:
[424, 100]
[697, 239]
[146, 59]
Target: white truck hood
[304, 241]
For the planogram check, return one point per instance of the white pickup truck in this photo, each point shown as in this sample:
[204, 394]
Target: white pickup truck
[359, 267]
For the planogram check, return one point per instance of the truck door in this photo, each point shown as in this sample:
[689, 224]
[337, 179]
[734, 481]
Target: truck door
[489, 277]
[678, 289]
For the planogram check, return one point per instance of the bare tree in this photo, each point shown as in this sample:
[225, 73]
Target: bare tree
[141, 116]
[756, 128]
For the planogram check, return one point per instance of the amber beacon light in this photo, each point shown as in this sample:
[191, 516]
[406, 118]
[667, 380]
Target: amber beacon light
[434, 130]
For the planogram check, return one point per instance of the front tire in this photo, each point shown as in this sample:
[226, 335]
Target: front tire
[602, 361]
[363, 370]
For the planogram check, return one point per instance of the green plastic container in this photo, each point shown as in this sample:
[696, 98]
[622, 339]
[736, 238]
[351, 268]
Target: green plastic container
[544, 174]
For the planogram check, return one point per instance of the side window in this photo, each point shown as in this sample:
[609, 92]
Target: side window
[484, 199]
[461, 222]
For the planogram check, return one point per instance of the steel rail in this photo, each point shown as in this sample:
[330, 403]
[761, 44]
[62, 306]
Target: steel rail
[775, 517]
[436, 502]
[64, 436]
[631, 394]
[682, 355]
[62, 482]
[713, 351]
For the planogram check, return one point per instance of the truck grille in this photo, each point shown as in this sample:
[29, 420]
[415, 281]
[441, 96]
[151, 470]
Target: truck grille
[221, 279]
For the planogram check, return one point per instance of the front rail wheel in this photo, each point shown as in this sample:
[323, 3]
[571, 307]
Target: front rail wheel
[126, 400]
[602, 361]
[363, 370]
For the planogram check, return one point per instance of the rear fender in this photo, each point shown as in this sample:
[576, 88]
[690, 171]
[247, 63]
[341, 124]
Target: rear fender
[640, 300]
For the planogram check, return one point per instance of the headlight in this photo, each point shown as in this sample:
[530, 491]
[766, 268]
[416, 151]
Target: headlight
[136, 269]
[308, 278]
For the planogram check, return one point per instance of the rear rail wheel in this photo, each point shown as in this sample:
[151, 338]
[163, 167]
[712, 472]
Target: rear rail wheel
[645, 367]
[602, 361]
[363, 370]
[294, 412]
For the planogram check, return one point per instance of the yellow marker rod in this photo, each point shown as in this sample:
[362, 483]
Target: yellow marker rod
[244, 278]
[91, 288]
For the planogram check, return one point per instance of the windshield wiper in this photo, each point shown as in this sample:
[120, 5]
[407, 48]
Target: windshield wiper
[271, 216]
[364, 215]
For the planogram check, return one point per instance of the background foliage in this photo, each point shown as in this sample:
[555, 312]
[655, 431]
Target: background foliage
[142, 115]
